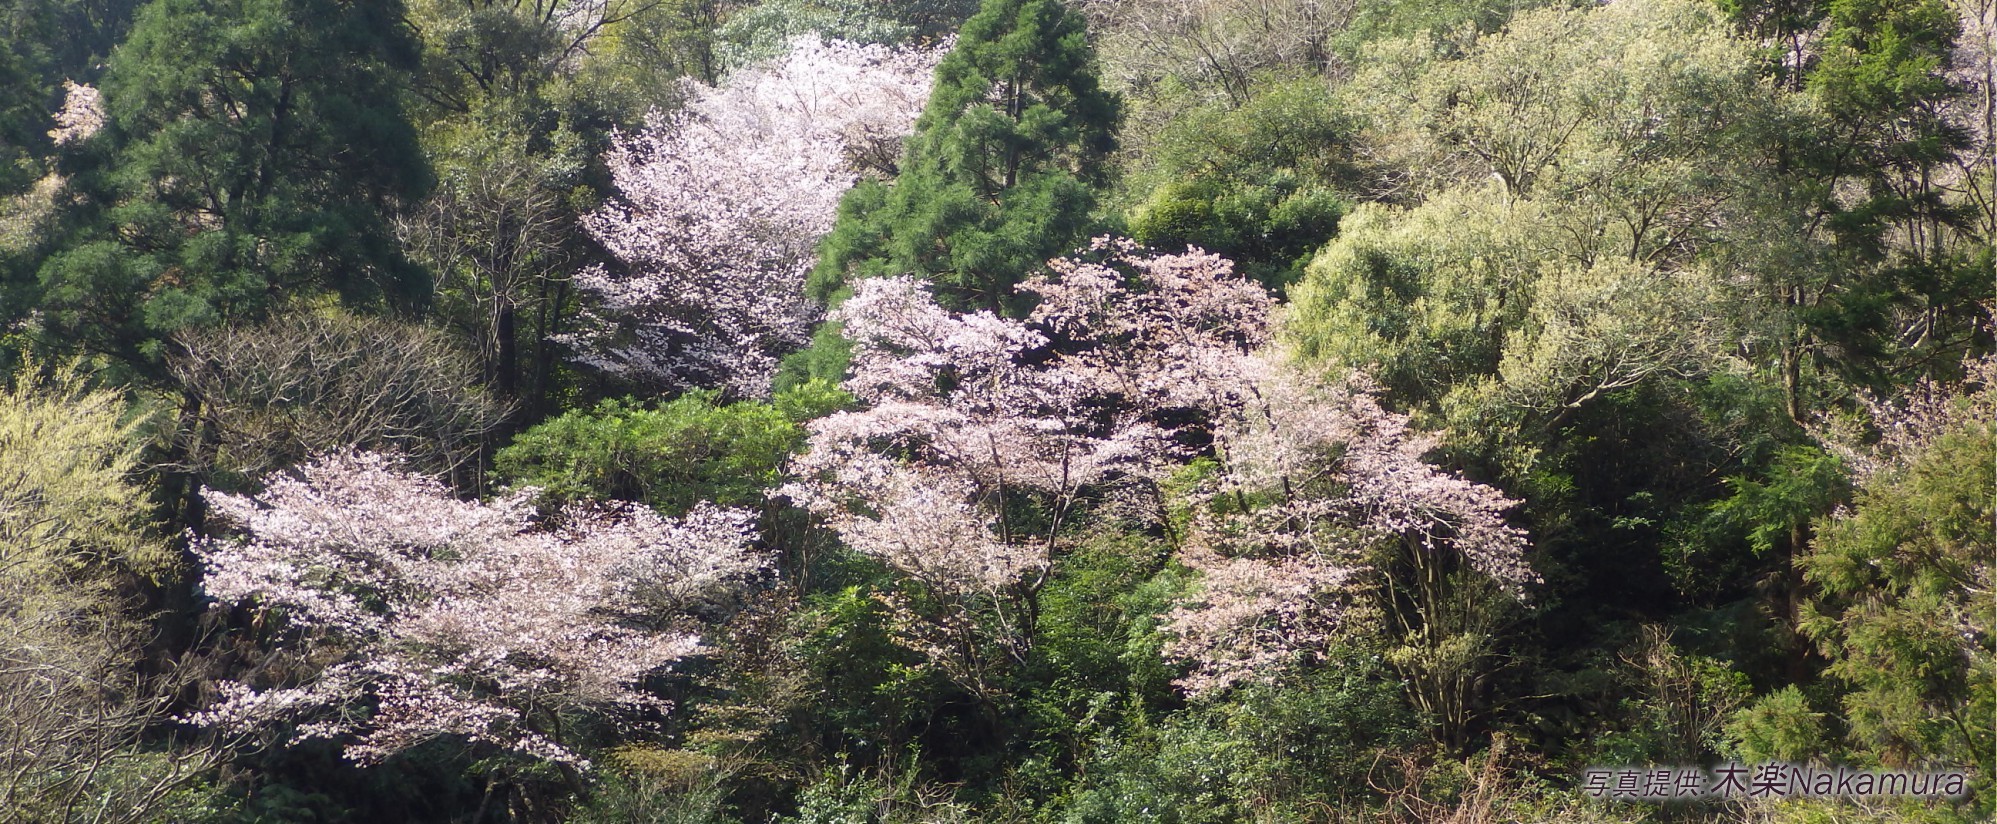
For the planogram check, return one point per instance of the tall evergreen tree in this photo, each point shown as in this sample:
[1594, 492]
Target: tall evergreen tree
[254, 151]
[1887, 179]
[1001, 173]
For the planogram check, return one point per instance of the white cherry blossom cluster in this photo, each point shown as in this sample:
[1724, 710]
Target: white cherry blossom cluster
[429, 616]
[1158, 331]
[1129, 357]
[963, 411]
[721, 205]
[1312, 475]
[1891, 432]
[81, 116]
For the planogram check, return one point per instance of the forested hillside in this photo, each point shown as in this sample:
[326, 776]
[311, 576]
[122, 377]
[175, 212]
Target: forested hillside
[1080, 411]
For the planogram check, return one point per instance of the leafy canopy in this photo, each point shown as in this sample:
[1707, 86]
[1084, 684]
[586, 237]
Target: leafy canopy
[1001, 171]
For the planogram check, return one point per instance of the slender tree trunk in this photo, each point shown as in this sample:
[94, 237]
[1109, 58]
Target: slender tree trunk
[485, 800]
[506, 357]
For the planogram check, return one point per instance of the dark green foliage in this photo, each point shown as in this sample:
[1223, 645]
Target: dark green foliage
[1001, 171]
[688, 450]
[1271, 231]
[1908, 252]
[1742, 425]
[1275, 752]
[1097, 620]
[23, 121]
[64, 39]
[1289, 125]
[1253, 183]
[312, 784]
[43, 43]
[512, 70]
[260, 148]
[1672, 706]
[865, 696]
[1802, 481]
[1881, 82]
[824, 361]
[1899, 613]
[477, 51]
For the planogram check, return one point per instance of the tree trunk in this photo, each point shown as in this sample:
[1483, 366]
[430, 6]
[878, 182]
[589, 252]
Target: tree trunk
[506, 357]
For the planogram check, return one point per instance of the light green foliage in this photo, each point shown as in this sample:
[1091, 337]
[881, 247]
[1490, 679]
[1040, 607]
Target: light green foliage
[1624, 257]
[1377, 20]
[73, 536]
[1290, 125]
[809, 400]
[70, 515]
[999, 174]
[1781, 726]
[1192, 52]
[690, 449]
[1570, 171]
[1421, 298]
[1567, 282]
[765, 29]
[1643, 121]
[1459, 310]
[1601, 328]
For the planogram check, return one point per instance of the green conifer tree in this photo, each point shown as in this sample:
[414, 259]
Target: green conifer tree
[254, 154]
[1001, 172]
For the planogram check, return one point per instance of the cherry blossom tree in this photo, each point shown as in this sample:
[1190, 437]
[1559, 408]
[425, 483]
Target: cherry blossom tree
[81, 116]
[1317, 490]
[974, 421]
[964, 442]
[409, 615]
[721, 205]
